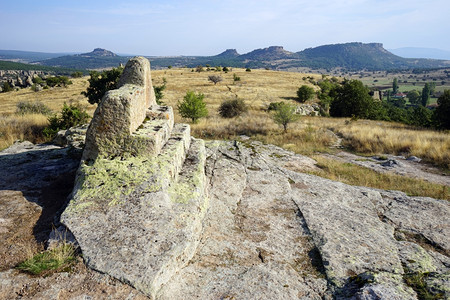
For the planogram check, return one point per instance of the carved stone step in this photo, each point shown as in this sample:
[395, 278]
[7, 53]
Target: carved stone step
[157, 129]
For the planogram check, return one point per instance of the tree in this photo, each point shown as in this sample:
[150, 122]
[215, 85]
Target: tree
[100, 83]
[285, 114]
[425, 94]
[305, 93]
[215, 79]
[441, 115]
[351, 99]
[414, 97]
[395, 86]
[192, 107]
[159, 91]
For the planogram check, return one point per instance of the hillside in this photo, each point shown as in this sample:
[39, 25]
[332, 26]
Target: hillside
[97, 59]
[27, 56]
[349, 56]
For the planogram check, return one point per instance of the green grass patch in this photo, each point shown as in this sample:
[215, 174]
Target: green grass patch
[59, 258]
[361, 176]
[417, 282]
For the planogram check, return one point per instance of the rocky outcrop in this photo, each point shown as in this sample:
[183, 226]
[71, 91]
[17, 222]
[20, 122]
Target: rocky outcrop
[141, 184]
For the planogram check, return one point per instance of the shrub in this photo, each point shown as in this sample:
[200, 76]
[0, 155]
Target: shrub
[71, 115]
[225, 69]
[38, 80]
[28, 107]
[77, 74]
[199, 69]
[305, 93]
[215, 79]
[248, 70]
[284, 115]
[159, 91]
[442, 113]
[6, 87]
[274, 105]
[100, 83]
[193, 107]
[236, 78]
[232, 108]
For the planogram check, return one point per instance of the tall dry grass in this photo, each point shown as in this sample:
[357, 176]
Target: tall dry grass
[22, 127]
[382, 137]
[29, 126]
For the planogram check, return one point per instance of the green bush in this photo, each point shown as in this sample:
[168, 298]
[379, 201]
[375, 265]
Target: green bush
[248, 70]
[159, 92]
[77, 74]
[58, 81]
[225, 69]
[236, 78]
[305, 93]
[193, 107]
[284, 115]
[71, 115]
[38, 80]
[6, 87]
[232, 108]
[28, 107]
[100, 83]
[274, 105]
[442, 113]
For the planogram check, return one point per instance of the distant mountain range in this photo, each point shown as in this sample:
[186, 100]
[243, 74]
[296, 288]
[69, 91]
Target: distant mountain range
[349, 56]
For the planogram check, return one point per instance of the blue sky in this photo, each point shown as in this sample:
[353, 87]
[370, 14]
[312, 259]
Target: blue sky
[198, 27]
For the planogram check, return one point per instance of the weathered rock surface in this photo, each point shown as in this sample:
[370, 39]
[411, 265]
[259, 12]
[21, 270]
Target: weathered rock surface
[266, 234]
[120, 113]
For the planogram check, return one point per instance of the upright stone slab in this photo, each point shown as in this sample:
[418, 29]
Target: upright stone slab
[140, 193]
[120, 113]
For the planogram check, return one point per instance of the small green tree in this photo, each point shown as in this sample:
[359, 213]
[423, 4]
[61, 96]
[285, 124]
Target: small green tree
[192, 107]
[305, 93]
[395, 86]
[426, 94]
[159, 91]
[285, 114]
[100, 83]
[351, 99]
[414, 97]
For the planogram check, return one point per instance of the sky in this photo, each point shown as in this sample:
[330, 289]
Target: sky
[198, 27]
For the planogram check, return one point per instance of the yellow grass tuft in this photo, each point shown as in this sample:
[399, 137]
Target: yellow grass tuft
[26, 127]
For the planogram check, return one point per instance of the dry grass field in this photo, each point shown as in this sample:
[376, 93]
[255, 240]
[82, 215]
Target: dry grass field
[258, 88]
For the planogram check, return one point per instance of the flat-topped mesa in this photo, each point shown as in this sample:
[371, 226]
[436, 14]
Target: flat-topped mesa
[120, 113]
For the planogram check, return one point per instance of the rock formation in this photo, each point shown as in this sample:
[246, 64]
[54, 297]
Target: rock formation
[178, 218]
[141, 185]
